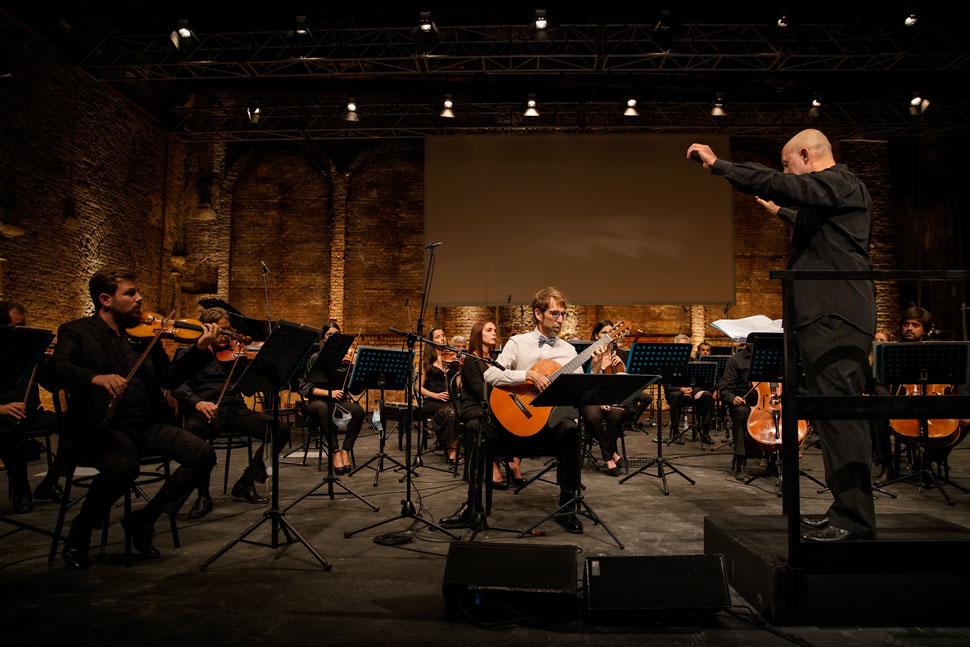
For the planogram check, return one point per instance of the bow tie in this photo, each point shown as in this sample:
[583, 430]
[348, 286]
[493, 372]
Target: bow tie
[546, 340]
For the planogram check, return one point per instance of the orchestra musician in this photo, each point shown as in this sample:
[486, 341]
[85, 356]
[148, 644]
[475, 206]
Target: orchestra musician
[830, 211]
[702, 400]
[605, 422]
[518, 357]
[325, 396]
[213, 407]
[92, 356]
[436, 403]
[22, 417]
[737, 392]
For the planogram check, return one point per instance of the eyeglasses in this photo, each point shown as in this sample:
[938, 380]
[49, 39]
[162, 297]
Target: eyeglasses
[555, 314]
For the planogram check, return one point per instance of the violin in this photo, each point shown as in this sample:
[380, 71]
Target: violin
[153, 324]
[238, 349]
[764, 421]
[941, 433]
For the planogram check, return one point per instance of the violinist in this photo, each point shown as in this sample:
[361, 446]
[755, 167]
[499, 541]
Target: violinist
[703, 403]
[605, 422]
[437, 405]
[213, 407]
[92, 357]
[324, 397]
[737, 392]
[21, 418]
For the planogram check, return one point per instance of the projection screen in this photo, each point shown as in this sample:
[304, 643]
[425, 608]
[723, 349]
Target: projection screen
[608, 219]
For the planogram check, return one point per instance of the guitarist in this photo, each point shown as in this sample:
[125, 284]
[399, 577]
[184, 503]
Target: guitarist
[519, 355]
[91, 358]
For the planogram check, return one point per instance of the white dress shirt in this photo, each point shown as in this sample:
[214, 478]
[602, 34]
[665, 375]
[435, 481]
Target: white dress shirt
[522, 352]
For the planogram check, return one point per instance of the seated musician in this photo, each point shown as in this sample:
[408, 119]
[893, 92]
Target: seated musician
[737, 392]
[21, 417]
[325, 396]
[211, 407]
[436, 403]
[605, 422]
[519, 356]
[483, 339]
[702, 400]
[92, 356]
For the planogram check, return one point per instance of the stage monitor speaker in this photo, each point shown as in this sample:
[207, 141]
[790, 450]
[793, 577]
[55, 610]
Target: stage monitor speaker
[488, 579]
[625, 587]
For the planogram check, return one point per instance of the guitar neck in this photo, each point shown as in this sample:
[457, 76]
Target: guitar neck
[581, 358]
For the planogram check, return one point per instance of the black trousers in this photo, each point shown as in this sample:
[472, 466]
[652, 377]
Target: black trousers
[13, 453]
[319, 410]
[116, 454]
[559, 437]
[739, 422]
[835, 356]
[703, 409]
[244, 422]
[606, 427]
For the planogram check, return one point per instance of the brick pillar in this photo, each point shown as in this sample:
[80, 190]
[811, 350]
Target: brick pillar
[338, 246]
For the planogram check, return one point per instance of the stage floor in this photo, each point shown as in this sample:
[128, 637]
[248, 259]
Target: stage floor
[377, 594]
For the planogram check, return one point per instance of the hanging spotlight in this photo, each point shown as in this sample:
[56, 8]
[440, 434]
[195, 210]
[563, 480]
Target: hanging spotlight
[181, 35]
[530, 107]
[718, 110]
[631, 108]
[541, 22]
[351, 110]
[911, 19]
[783, 22]
[918, 105]
[302, 28]
[425, 23]
[447, 111]
[254, 113]
[816, 108]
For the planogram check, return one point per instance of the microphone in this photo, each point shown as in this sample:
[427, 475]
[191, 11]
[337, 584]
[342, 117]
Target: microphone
[265, 267]
[431, 245]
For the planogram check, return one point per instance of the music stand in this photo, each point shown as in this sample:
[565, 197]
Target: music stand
[324, 367]
[273, 366]
[21, 348]
[380, 368]
[670, 362]
[700, 375]
[385, 368]
[768, 365]
[932, 362]
[579, 390]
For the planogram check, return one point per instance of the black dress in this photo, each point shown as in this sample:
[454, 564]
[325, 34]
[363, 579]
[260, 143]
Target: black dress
[440, 413]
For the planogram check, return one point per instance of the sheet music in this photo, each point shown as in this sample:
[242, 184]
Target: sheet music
[739, 329]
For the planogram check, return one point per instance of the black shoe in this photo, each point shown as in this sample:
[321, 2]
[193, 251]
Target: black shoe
[500, 485]
[76, 558]
[48, 492]
[245, 490]
[832, 533]
[814, 521]
[201, 508]
[740, 469]
[517, 482]
[611, 471]
[142, 534]
[570, 522]
[706, 438]
[461, 519]
[22, 503]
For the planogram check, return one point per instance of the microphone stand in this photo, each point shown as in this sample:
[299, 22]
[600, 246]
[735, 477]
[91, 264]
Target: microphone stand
[269, 317]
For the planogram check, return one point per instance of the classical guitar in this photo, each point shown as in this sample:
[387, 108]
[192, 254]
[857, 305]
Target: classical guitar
[512, 405]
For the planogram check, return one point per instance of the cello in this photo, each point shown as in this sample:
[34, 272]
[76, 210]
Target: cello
[765, 422]
[941, 432]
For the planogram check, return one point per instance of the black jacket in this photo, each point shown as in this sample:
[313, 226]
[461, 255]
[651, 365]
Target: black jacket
[89, 347]
[735, 381]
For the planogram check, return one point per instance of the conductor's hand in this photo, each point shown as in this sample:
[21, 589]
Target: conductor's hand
[208, 336]
[15, 410]
[737, 401]
[704, 152]
[114, 384]
[769, 206]
[207, 409]
[540, 381]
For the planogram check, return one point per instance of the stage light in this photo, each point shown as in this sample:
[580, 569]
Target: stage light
[918, 105]
[541, 22]
[302, 28]
[254, 113]
[351, 110]
[181, 35]
[425, 23]
[782, 22]
[911, 19]
[447, 111]
[530, 107]
[631, 108]
[816, 108]
[718, 111]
